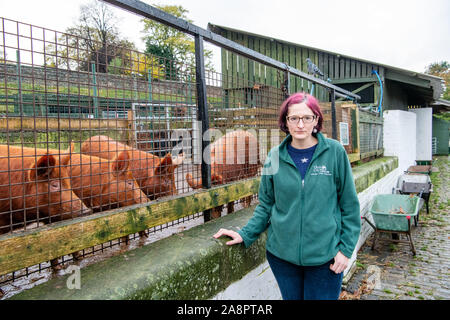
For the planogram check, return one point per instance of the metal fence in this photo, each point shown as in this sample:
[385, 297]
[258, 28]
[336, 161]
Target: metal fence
[88, 131]
[371, 134]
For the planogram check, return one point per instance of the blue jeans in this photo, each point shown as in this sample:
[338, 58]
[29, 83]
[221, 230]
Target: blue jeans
[305, 283]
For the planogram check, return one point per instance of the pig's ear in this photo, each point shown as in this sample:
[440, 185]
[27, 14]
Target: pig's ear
[120, 163]
[68, 154]
[43, 167]
[165, 166]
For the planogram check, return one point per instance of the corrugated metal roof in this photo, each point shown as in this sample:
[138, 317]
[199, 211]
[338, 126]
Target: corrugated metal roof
[436, 82]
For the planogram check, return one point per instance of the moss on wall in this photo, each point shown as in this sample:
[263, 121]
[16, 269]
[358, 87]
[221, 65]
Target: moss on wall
[368, 173]
[187, 265]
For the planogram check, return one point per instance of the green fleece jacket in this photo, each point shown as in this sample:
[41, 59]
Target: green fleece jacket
[308, 220]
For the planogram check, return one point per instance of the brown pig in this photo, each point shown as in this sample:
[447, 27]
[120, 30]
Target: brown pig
[35, 187]
[105, 184]
[102, 184]
[154, 175]
[234, 156]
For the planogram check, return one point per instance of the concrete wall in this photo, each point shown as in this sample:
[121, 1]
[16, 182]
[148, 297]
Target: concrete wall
[258, 284]
[399, 137]
[424, 124]
[441, 133]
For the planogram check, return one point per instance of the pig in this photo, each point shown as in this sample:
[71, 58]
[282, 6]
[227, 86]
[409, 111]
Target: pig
[35, 187]
[154, 175]
[234, 156]
[103, 184]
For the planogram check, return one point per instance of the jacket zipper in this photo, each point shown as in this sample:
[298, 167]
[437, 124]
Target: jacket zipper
[302, 197]
[301, 222]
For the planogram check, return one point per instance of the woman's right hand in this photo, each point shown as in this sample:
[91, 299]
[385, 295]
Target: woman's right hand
[233, 234]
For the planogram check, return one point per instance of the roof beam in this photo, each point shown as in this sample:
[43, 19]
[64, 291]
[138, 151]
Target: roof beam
[412, 80]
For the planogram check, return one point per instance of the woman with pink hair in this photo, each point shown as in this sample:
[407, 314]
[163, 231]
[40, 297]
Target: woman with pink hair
[308, 203]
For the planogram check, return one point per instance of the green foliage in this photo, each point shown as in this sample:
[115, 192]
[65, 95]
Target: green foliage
[176, 48]
[116, 66]
[165, 57]
[443, 116]
[441, 69]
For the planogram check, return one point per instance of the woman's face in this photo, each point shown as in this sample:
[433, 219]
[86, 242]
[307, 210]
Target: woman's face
[301, 129]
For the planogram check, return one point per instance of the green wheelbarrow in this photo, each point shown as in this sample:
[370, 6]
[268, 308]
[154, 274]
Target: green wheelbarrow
[392, 214]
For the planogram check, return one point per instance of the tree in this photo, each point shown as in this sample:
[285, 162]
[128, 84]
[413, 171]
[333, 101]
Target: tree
[142, 64]
[441, 69]
[165, 57]
[175, 49]
[95, 39]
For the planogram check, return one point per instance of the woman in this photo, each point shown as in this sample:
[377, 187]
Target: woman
[308, 202]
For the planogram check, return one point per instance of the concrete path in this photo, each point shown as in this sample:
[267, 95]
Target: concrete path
[391, 272]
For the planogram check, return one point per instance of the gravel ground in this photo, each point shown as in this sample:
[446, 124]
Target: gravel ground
[391, 272]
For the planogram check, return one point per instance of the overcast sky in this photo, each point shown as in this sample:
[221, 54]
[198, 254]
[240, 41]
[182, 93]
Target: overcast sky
[408, 34]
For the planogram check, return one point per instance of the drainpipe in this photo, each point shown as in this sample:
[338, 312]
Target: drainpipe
[380, 110]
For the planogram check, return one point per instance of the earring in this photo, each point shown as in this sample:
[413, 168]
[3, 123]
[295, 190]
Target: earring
[314, 130]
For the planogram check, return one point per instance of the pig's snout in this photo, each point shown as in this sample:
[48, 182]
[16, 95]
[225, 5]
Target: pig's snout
[85, 211]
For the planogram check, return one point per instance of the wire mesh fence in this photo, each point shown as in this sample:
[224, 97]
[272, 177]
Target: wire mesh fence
[87, 130]
[122, 126]
[371, 132]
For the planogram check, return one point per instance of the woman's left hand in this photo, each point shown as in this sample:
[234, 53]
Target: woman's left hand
[340, 263]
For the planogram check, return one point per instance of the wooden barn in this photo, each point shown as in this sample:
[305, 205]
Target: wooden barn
[400, 88]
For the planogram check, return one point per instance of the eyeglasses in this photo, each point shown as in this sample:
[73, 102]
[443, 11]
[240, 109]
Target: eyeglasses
[296, 119]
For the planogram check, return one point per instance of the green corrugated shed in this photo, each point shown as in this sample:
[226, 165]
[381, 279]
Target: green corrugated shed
[441, 136]
[401, 88]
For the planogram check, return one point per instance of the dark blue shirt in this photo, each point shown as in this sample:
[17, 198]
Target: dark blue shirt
[301, 158]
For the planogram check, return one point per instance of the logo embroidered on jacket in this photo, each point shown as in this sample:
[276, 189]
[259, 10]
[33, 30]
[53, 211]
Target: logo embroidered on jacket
[320, 170]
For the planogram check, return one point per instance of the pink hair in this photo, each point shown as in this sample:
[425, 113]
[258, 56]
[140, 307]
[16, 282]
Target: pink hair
[299, 97]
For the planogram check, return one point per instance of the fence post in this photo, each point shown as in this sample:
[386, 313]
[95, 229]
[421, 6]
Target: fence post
[357, 149]
[94, 98]
[286, 84]
[150, 96]
[333, 115]
[202, 115]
